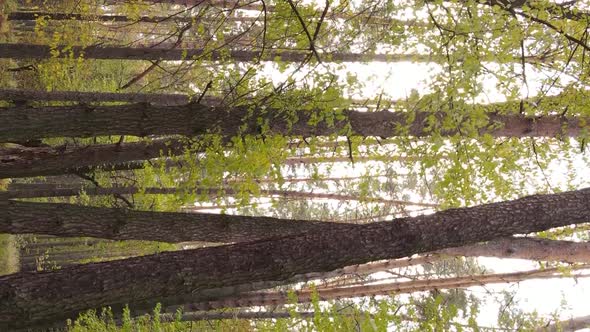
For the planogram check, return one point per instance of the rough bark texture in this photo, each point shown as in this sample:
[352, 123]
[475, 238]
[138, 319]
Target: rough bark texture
[181, 277]
[20, 161]
[20, 51]
[93, 97]
[27, 123]
[60, 192]
[31, 16]
[118, 224]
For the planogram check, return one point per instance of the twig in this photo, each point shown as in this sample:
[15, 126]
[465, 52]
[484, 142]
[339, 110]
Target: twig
[207, 87]
[309, 37]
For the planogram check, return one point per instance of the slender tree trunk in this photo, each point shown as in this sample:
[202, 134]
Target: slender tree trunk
[556, 10]
[31, 16]
[249, 315]
[229, 4]
[26, 123]
[60, 192]
[35, 186]
[68, 220]
[294, 161]
[569, 325]
[513, 247]
[93, 97]
[20, 161]
[334, 293]
[23, 161]
[526, 248]
[31, 299]
[21, 51]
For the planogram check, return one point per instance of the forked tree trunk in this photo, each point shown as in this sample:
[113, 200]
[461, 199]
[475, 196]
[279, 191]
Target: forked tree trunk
[30, 299]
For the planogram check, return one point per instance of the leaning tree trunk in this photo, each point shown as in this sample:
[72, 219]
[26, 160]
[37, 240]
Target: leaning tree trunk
[27, 123]
[514, 247]
[525, 248]
[568, 325]
[61, 192]
[274, 298]
[68, 220]
[33, 299]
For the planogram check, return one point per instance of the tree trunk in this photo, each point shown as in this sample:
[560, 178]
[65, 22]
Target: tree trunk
[569, 325]
[185, 276]
[365, 19]
[26, 123]
[31, 16]
[249, 315]
[61, 192]
[68, 220]
[16, 162]
[526, 248]
[295, 161]
[93, 97]
[229, 4]
[30, 51]
[274, 298]
[513, 247]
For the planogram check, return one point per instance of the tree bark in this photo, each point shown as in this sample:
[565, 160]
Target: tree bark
[20, 161]
[27, 123]
[31, 16]
[274, 298]
[526, 248]
[31, 299]
[30, 51]
[513, 247]
[61, 192]
[569, 325]
[68, 220]
[93, 97]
